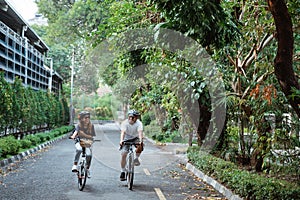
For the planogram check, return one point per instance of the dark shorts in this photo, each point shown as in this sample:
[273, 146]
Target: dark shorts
[139, 148]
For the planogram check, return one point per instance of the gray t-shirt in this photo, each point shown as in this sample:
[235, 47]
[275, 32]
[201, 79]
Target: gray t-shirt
[131, 130]
[88, 131]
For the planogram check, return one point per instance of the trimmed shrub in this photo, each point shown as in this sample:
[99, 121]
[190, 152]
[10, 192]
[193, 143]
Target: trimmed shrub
[9, 146]
[42, 137]
[25, 143]
[56, 133]
[247, 185]
[35, 140]
[48, 137]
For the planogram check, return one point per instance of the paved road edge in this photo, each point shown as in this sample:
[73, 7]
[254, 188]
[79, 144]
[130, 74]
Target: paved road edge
[207, 179]
[4, 164]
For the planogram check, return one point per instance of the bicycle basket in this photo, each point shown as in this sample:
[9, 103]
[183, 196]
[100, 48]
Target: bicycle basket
[86, 142]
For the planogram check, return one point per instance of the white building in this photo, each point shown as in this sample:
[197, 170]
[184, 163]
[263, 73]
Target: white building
[23, 53]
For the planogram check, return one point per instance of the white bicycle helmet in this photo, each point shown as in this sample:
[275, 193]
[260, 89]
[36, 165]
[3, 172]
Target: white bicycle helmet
[133, 113]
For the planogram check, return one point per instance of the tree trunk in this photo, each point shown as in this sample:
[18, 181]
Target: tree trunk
[204, 121]
[200, 116]
[284, 57]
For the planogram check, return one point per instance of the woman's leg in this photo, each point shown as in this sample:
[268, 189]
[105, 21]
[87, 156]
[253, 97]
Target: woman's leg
[88, 157]
[77, 155]
[78, 152]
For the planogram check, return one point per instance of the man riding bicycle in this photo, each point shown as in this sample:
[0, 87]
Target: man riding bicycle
[84, 130]
[131, 129]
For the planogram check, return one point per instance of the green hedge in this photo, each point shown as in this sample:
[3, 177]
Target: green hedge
[243, 183]
[9, 146]
[23, 108]
[25, 143]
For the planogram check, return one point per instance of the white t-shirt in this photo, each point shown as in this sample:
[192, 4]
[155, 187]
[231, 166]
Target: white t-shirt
[131, 130]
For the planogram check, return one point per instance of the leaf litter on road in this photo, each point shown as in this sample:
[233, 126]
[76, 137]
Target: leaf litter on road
[191, 186]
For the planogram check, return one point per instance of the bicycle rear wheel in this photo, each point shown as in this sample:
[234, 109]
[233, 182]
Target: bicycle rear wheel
[82, 174]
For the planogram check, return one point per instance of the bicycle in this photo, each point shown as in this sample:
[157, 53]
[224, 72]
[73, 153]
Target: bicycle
[130, 163]
[82, 163]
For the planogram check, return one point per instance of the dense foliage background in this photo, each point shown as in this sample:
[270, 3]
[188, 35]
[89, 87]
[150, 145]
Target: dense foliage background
[245, 39]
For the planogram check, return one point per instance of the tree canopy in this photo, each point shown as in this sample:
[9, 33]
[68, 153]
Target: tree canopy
[253, 44]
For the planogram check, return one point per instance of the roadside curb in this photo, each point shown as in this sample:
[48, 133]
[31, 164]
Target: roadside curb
[4, 164]
[207, 179]
[219, 187]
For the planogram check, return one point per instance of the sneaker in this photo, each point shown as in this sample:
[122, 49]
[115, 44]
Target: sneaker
[136, 162]
[74, 168]
[88, 173]
[122, 176]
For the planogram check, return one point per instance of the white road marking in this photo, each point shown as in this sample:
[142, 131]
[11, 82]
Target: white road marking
[160, 194]
[147, 172]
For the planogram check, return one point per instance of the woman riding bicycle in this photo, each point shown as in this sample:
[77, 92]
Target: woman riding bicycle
[131, 129]
[84, 130]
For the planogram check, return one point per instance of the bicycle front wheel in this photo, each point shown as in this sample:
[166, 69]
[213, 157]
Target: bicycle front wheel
[82, 174]
[130, 176]
[130, 171]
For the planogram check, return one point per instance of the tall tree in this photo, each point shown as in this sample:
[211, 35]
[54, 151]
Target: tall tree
[211, 26]
[283, 62]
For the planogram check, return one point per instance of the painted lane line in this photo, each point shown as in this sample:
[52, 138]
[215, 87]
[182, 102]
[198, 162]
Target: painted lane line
[160, 194]
[147, 172]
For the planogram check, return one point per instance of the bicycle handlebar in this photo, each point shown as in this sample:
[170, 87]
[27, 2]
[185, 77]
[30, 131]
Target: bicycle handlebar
[131, 143]
[78, 139]
[128, 143]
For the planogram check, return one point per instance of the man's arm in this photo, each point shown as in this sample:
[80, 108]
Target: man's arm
[122, 137]
[141, 136]
[140, 131]
[123, 129]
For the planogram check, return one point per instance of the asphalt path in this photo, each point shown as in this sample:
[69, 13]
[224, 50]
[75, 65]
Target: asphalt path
[47, 174]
